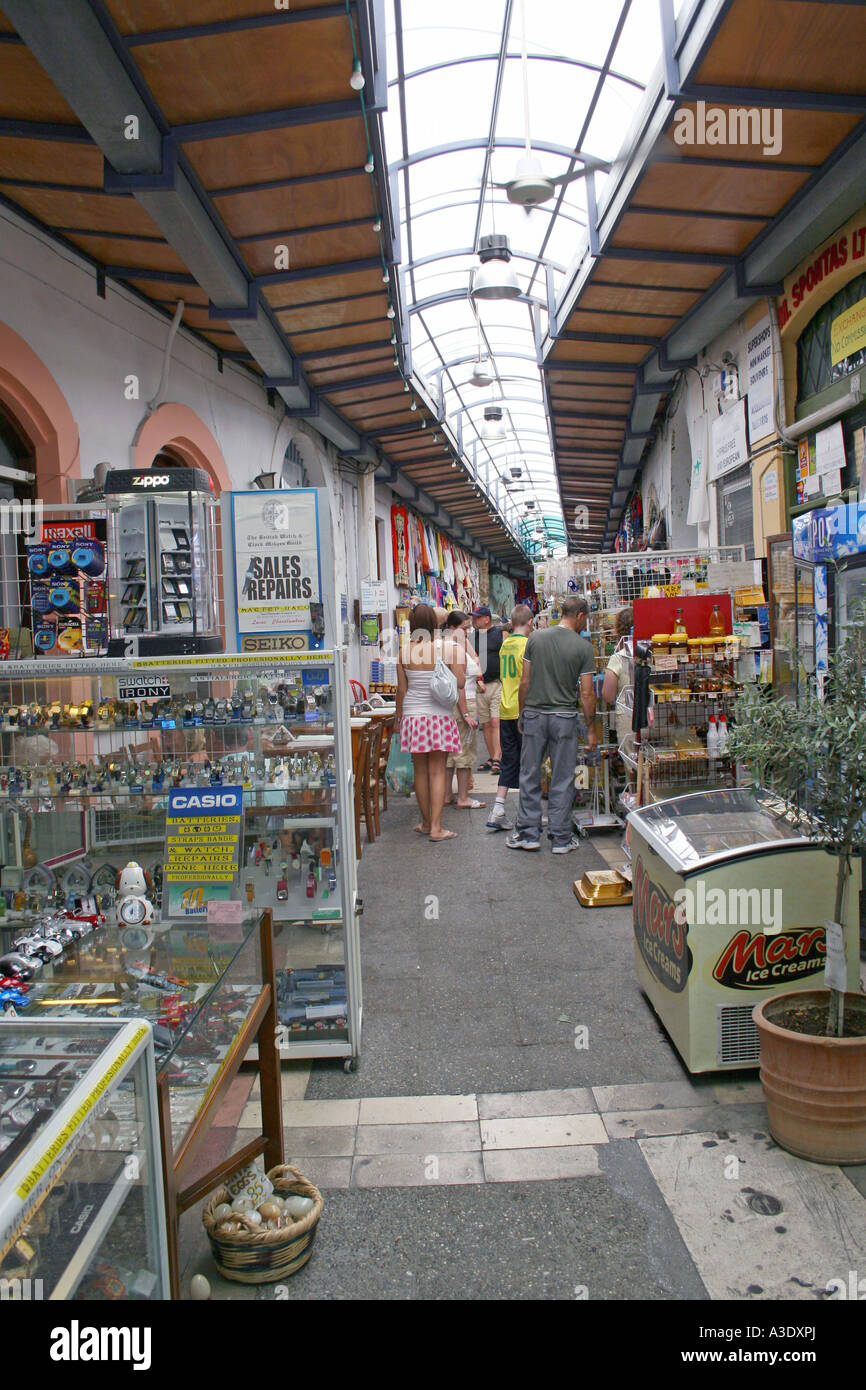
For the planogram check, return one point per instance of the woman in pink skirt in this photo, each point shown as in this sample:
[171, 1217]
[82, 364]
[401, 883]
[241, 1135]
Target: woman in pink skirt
[427, 730]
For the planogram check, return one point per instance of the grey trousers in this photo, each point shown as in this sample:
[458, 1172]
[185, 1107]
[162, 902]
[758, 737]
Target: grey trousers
[560, 735]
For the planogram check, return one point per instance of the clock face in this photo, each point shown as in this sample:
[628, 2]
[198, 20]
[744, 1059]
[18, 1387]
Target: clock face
[131, 911]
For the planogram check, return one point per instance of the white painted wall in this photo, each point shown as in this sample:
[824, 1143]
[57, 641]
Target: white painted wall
[90, 345]
[668, 464]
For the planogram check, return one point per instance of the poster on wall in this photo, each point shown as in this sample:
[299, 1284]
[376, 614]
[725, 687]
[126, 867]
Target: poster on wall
[276, 551]
[759, 349]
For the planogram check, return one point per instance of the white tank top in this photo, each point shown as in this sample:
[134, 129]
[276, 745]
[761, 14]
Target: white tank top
[418, 699]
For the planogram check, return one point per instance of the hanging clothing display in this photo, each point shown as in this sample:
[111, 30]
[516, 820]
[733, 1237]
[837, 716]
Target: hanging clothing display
[400, 544]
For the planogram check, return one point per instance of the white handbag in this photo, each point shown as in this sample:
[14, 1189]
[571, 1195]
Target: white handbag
[443, 685]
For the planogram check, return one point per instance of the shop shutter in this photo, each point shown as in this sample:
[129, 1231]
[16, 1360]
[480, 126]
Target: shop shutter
[735, 510]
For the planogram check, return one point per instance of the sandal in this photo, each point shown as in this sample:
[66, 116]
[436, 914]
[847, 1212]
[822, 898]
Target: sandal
[469, 805]
[446, 835]
[485, 767]
[495, 765]
[419, 830]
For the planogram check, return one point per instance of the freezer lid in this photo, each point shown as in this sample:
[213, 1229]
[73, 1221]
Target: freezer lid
[691, 832]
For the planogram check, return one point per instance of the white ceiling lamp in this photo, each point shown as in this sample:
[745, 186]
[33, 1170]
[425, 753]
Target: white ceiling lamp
[493, 428]
[482, 373]
[530, 186]
[356, 81]
[496, 279]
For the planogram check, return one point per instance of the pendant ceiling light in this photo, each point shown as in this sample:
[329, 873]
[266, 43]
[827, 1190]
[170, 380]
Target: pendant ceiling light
[482, 373]
[496, 279]
[494, 426]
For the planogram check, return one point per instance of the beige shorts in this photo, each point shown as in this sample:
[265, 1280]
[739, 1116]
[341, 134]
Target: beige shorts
[488, 702]
[468, 739]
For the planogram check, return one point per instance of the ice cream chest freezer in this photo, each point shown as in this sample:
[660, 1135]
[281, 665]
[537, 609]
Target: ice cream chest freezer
[729, 907]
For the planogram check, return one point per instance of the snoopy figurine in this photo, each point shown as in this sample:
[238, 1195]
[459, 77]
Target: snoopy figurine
[134, 908]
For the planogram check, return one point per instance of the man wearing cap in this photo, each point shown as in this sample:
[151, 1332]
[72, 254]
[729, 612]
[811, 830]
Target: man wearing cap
[487, 640]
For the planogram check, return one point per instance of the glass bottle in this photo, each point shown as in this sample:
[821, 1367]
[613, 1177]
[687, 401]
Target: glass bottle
[717, 622]
[679, 625]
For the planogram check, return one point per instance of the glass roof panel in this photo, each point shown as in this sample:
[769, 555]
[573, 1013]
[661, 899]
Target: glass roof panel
[450, 57]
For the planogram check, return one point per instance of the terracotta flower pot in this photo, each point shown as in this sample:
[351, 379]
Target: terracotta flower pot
[815, 1086]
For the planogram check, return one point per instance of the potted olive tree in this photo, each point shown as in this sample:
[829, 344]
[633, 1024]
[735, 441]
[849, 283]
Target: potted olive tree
[813, 1042]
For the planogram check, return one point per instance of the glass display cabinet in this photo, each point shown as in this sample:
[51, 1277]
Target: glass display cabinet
[99, 770]
[81, 1195]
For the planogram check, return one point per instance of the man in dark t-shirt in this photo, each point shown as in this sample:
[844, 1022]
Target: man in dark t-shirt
[487, 640]
[558, 666]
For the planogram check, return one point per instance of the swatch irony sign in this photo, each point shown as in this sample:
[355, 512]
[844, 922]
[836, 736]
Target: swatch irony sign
[660, 932]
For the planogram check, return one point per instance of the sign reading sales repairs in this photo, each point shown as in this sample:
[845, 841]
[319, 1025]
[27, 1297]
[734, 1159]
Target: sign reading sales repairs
[276, 545]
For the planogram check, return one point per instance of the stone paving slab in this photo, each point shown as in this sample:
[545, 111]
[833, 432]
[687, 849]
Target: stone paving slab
[759, 1223]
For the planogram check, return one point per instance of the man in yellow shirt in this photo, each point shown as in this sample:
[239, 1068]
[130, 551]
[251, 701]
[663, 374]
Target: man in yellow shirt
[511, 669]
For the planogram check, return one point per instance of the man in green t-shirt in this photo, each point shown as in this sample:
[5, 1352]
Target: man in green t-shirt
[557, 665]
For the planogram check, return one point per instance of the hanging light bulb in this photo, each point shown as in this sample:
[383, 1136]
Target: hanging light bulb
[414, 405]
[369, 165]
[391, 312]
[356, 81]
[405, 386]
[386, 279]
[377, 225]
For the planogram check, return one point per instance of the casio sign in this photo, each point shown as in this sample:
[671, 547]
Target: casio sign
[207, 801]
[148, 480]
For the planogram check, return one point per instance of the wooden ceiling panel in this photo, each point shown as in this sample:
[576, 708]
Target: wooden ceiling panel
[326, 372]
[25, 91]
[148, 255]
[703, 234]
[168, 295]
[614, 270]
[808, 137]
[96, 212]
[584, 321]
[688, 185]
[808, 46]
[325, 315]
[293, 209]
[291, 152]
[296, 292]
[598, 295]
[50, 161]
[144, 16]
[266, 69]
[583, 351]
[588, 377]
[351, 395]
[350, 333]
[314, 249]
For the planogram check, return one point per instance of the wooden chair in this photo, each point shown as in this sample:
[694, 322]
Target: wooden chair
[362, 787]
[371, 800]
[388, 727]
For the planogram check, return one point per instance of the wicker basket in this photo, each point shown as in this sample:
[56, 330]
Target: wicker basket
[254, 1256]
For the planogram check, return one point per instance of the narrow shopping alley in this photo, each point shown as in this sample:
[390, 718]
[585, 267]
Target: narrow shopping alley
[519, 1126]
